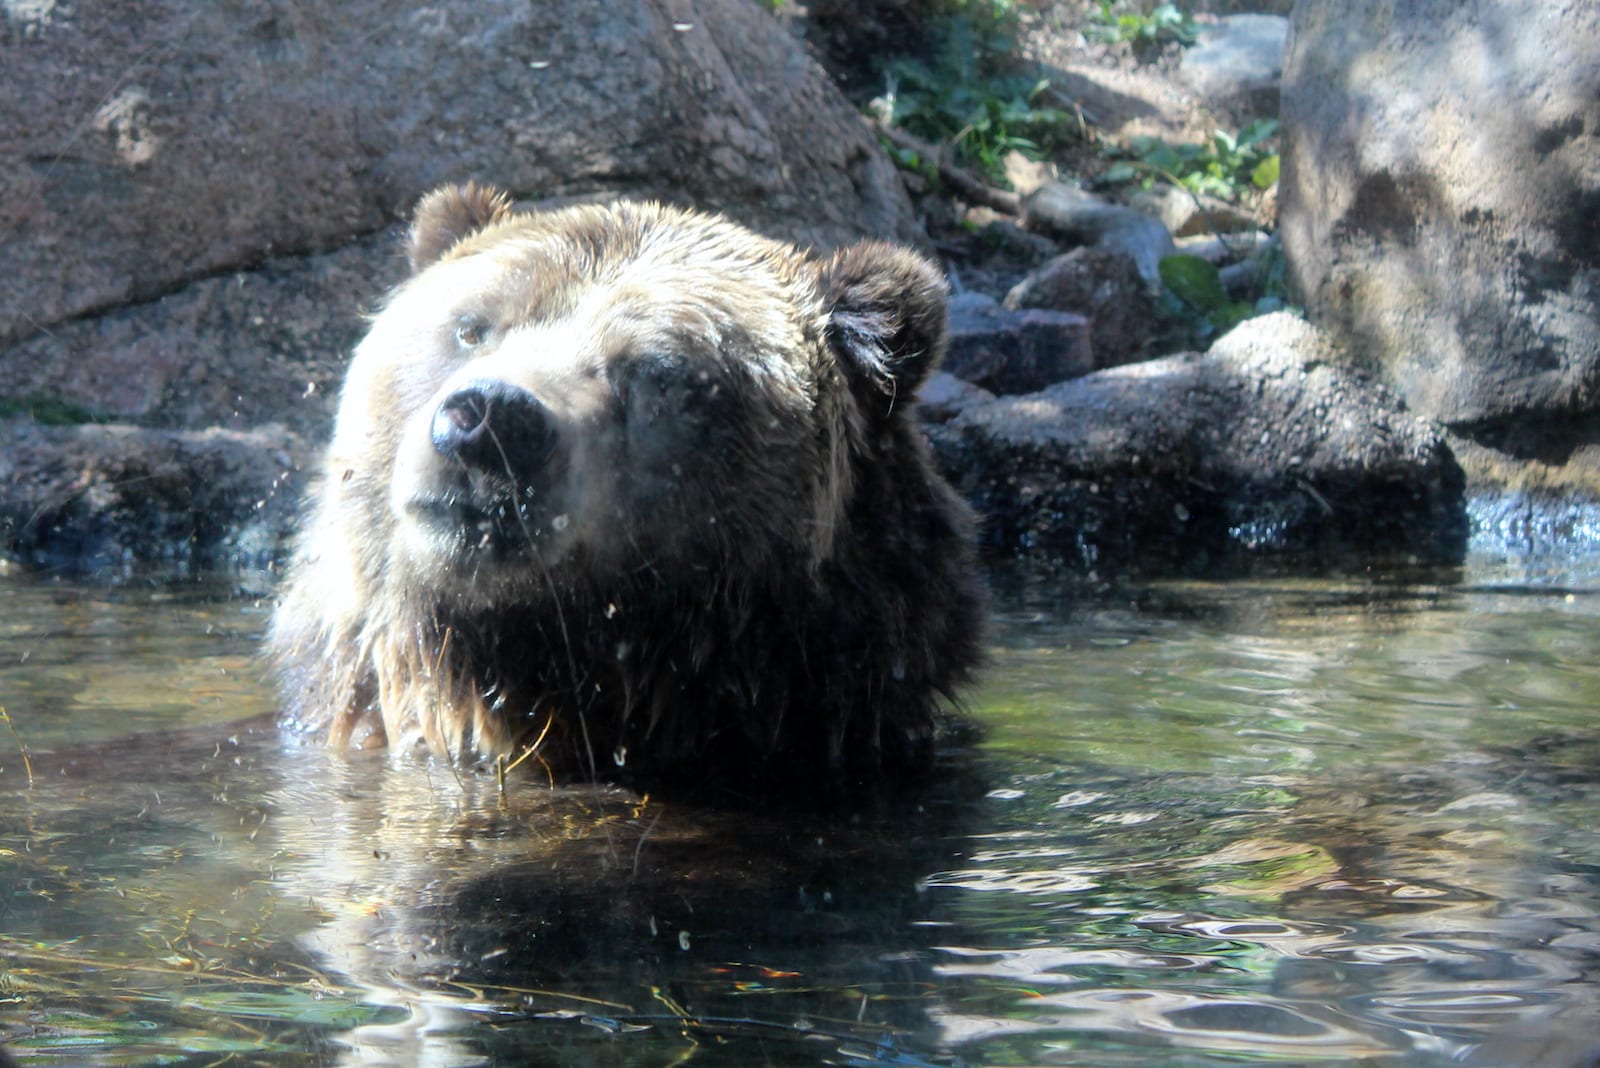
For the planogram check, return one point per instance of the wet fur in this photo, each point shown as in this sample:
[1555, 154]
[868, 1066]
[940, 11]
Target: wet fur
[789, 601]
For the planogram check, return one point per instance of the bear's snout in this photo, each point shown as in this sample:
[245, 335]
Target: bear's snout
[494, 426]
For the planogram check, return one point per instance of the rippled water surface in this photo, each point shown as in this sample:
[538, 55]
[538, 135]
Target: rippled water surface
[1288, 821]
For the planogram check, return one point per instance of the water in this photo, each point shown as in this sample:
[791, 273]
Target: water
[1286, 821]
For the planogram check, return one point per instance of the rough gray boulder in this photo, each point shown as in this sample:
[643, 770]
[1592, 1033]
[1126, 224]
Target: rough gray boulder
[267, 344]
[145, 144]
[1440, 199]
[1259, 448]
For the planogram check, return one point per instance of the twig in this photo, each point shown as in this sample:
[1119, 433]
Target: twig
[27, 765]
[966, 185]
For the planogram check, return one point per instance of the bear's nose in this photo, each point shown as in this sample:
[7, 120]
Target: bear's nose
[493, 426]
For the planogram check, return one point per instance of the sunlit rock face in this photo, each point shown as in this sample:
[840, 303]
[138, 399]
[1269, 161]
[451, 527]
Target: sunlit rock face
[632, 491]
[1440, 185]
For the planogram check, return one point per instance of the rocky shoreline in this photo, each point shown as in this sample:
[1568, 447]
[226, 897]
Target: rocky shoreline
[179, 319]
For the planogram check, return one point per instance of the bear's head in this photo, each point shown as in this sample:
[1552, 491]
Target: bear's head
[633, 478]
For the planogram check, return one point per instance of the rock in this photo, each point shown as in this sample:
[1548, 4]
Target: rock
[1145, 241]
[1014, 351]
[943, 396]
[201, 202]
[1187, 214]
[1440, 204]
[1074, 215]
[148, 144]
[116, 501]
[1026, 175]
[1237, 64]
[1103, 286]
[1262, 447]
[236, 350]
[1232, 248]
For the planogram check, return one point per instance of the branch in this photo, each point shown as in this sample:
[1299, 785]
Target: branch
[965, 184]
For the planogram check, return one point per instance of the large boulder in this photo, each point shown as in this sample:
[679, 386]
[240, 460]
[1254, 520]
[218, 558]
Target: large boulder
[1440, 200]
[149, 143]
[263, 344]
[1260, 448]
[201, 201]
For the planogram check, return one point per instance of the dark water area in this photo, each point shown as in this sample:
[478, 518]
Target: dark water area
[1300, 821]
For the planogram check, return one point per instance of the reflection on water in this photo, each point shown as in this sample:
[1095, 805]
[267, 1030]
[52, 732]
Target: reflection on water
[1300, 822]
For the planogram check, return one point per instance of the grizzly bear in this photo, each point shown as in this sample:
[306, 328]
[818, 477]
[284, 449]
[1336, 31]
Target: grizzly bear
[640, 494]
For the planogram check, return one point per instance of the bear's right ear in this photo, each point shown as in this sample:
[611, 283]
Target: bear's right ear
[450, 213]
[886, 321]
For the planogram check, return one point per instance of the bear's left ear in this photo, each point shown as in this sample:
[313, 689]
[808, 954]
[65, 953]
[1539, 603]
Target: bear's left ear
[886, 320]
[450, 213]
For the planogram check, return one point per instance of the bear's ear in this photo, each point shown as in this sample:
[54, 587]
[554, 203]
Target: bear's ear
[450, 213]
[886, 320]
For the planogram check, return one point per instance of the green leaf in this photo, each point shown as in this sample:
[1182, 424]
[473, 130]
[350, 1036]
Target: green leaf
[1194, 281]
[1265, 173]
[1230, 315]
[1162, 157]
[1256, 132]
[1118, 173]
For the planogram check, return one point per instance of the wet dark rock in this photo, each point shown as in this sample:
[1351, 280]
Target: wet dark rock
[117, 500]
[1105, 287]
[1258, 448]
[1015, 351]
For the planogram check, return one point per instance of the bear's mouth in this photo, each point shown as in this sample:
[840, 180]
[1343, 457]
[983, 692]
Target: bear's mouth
[499, 528]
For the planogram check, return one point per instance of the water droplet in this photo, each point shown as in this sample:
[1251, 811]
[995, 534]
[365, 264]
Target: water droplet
[559, 523]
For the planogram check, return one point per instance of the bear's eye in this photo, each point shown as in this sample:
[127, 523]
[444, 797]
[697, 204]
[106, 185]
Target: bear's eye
[471, 331]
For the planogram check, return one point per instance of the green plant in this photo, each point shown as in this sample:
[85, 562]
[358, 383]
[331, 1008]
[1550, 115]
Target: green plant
[1200, 307]
[1226, 166]
[1143, 26]
[967, 93]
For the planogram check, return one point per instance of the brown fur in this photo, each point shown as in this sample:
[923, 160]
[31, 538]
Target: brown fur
[643, 491]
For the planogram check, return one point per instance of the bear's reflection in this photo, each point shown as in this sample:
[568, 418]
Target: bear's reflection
[531, 906]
